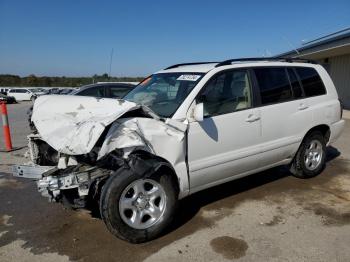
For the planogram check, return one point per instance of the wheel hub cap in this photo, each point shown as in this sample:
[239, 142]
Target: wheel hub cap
[142, 203]
[313, 155]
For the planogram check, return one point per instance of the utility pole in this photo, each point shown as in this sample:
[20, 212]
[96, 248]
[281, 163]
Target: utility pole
[110, 63]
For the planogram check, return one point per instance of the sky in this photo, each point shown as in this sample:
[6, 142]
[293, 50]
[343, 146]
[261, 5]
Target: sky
[76, 37]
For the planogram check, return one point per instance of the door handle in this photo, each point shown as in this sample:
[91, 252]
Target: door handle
[302, 107]
[252, 118]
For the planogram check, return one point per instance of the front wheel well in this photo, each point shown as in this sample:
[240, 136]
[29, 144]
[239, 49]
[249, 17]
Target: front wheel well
[161, 166]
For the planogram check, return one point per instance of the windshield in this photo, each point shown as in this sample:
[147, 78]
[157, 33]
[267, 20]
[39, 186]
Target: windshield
[164, 92]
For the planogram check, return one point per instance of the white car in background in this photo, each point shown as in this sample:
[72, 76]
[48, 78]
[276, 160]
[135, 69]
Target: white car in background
[22, 94]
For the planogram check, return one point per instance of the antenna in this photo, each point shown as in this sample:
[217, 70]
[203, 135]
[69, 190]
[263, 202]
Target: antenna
[290, 44]
[110, 63]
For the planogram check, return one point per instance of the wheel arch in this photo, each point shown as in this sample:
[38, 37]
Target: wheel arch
[323, 128]
[160, 165]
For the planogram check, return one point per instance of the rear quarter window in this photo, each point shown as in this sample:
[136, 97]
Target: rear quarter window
[311, 81]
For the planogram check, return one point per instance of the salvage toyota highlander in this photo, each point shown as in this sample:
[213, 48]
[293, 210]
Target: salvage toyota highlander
[181, 130]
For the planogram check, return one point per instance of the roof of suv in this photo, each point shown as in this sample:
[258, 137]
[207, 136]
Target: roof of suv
[204, 67]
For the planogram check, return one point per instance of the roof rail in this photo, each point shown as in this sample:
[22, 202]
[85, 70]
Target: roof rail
[184, 64]
[280, 59]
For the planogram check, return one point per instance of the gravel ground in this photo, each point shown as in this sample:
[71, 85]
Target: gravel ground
[269, 216]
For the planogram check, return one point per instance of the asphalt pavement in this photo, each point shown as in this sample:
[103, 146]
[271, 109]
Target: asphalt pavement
[269, 216]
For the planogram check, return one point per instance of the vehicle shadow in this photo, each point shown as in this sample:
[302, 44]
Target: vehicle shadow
[190, 206]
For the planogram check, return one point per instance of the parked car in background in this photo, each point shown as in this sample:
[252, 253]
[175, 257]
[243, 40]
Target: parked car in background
[7, 99]
[54, 91]
[107, 89]
[22, 94]
[38, 91]
[184, 129]
[67, 91]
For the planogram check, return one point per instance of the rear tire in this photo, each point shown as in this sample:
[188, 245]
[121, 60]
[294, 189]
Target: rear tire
[310, 159]
[119, 220]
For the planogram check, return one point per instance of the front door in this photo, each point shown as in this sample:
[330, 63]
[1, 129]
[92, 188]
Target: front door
[225, 143]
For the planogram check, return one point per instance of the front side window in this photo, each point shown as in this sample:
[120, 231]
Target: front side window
[311, 81]
[164, 92]
[274, 85]
[225, 93]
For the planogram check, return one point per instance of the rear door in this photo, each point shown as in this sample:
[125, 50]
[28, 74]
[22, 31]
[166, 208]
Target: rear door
[225, 143]
[284, 113]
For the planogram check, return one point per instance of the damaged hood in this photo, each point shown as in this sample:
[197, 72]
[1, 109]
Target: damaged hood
[73, 124]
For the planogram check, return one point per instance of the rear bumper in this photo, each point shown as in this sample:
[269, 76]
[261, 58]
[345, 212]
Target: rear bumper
[336, 130]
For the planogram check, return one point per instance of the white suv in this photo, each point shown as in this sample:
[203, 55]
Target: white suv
[181, 130]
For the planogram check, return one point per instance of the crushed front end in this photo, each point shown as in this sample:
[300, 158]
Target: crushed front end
[61, 178]
[78, 146]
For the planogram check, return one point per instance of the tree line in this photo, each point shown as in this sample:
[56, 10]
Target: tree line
[60, 81]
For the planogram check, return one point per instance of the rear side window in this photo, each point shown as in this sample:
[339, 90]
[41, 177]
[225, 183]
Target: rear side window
[274, 85]
[311, 81]
[97, 91]
[118, 91]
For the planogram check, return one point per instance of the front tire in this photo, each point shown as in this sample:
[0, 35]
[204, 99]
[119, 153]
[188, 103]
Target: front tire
[135, 208]
[311, 157]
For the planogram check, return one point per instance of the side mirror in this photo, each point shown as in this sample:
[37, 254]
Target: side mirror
[198, 112]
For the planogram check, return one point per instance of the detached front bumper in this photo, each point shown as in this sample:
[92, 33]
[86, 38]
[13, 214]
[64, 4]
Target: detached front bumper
[53, 183]
[33, 172]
